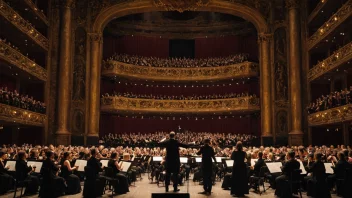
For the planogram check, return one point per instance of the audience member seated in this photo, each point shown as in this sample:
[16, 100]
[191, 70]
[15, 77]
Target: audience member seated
[23, 174]
[122, 186]
[334, 99]
[72, 181]
[13, 98]
[179, 62]
[6, 180]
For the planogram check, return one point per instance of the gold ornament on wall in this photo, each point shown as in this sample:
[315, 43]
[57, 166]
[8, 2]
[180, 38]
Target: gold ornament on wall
[181, 5]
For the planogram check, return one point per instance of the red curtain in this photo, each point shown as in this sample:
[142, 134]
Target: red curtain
[118, 124]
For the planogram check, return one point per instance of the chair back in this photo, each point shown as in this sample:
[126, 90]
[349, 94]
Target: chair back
[262, 171]
[109, 172]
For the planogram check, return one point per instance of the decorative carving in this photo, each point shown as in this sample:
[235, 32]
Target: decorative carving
[181, 5]
[281, 103]
[118, 103]
[261, 5]
[78, 122]
[339, 57]
[265, 38]
[81, 12]
[293, 4]
[335, 20]
[21, 116]
[280, 64]
[115, 68]
[281, 122]
[95, 37]
[70, 4]
[17, 59]
[79, 65]
[36, 10]
[98, 5]
[331, 116]
[13, 17]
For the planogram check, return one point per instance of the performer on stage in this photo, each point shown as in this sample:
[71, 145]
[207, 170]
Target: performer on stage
[172, 160]
[207, 153]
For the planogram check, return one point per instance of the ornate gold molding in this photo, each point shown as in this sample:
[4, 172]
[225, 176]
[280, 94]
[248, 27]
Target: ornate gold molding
[242, 104]
[341, 56]
[13, 17]
[35, 9]
[335, 20]
[265, 38]
[21, 116]
[115, 68]
[95, 37]
[331, 116]
[17, 59]
[70, 4]
[292, 4]
[181, 5]
[316, 10]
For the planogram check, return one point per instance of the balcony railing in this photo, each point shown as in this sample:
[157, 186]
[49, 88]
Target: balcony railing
[13, 17]
[37, 12]
[115, 68]
[317, 10]
[15, 58]
[123, 104]
[21, 116]
[340, 57]
[331, 116]
[338, 18]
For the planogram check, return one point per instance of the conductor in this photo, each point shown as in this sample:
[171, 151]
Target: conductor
[172, 160]
[207, 153]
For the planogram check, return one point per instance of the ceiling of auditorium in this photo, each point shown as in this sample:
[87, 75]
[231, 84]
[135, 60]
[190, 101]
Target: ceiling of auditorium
[176, 25]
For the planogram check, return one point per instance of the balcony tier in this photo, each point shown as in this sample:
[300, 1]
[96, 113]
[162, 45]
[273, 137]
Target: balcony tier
[240, 70]
[331, 116]
[122, 104]
[12, 114]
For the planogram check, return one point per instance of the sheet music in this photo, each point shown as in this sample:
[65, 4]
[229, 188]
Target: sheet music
[304, 172]
[81, 164]
[157, 159]
[12, 165]
[253, 161]
[274, 167]
[198, 159]
[229, 163]
[183, 160]
[104, 163]
[125, 166]
[38, 165]
[328, 169]
[218, 159]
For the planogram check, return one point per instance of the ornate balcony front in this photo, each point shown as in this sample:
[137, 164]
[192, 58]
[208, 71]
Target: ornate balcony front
[331, 116]
[340, 57]
[338, 18]
[123, 104]
[17, 59]
[21, 116]
[240, 70]
[317, 10]
[15, 19]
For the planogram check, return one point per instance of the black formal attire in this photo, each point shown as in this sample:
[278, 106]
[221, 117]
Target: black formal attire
[239, 185]
[122, 186]
[172, 161]
[289, 167]
[22, 173]
[72, 181]
[316, 185]
[94, 184]
[6, 180]
[52, 185]
[207, 153]
[339, 172]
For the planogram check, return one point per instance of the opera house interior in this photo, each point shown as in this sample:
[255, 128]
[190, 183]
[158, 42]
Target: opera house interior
[108, 80]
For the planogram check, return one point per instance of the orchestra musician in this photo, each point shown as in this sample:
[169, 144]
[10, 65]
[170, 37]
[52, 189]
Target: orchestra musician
[73, 181]
[208, 154]
[122, 186]
[339, 170]
[23, 173]
[316, 184]
[239, 185]
[6, 180]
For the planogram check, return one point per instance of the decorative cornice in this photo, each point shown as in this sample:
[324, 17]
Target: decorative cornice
[331, 116]
[21, 116]
[115, 68]
[265, 38]
[316, 10]
[13, 17]
[181, 5]
[338, 58]
[281, 103]
[17, 59]
[95, 37]
[293, 4]
[335, 20]
[117, 104]
[35, 9]
[70, 4]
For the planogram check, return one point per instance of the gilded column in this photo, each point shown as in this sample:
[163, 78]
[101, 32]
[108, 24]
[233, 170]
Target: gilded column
[295, 88]
[94, 88]
[265, 83]
[63, 136]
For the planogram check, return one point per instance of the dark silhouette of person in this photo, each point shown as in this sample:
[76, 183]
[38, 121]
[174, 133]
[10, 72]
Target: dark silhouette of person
[239, 185]
[207, 153]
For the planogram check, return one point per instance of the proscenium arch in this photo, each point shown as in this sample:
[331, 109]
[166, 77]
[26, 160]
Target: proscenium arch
[236, 9]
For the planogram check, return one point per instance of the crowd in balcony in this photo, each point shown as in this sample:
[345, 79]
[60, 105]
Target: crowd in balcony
[13, 98]
[334, 99]
[180, 62]
[180, 97]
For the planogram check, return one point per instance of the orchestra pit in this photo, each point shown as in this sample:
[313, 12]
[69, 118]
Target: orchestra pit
[176, 98]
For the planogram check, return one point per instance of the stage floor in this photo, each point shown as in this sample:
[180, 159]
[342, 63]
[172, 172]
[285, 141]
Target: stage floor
[143, 189]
